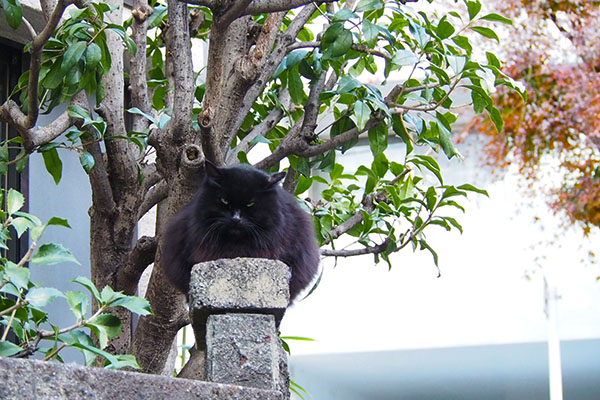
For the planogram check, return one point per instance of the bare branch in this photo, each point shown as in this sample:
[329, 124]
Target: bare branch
[102, 193]
[138, 65]
[235, 10]
[269, 6]
[377, 249]
[263, 128]
[11, 113]
[181, 75]
[151, 176]
[154, 196]
[311, 109]
[36, 62]
[271, 63]
[140, 257]
[336, 141]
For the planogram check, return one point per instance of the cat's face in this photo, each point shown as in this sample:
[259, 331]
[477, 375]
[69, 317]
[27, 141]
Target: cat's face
[240, 202]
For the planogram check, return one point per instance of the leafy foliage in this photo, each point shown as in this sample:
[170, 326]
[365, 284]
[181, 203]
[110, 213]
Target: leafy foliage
[555, 54]
[309, 84]
[23, 303]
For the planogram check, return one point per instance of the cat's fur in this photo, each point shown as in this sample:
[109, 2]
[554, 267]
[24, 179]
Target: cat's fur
[241, 212]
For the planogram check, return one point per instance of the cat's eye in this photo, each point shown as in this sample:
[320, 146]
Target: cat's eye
[224, 201]
[250, 204]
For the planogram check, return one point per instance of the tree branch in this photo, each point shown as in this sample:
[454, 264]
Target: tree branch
[138, 65]
[269, 6]
[102, 193]
[36, 62]
[271, 62]
[182, 74]
[368, 206]
[336, 141]
[12, 114]
[263, 128]
[154, 196]
[235, 11]
[377, 249]
[140, 257]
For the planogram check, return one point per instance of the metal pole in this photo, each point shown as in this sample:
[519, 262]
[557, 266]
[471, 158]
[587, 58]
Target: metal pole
[554, 359]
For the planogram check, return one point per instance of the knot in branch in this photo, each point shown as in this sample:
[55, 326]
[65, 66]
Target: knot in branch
[205, 119]
[141, 13]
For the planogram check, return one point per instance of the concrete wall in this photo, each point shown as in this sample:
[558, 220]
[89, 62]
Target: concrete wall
[29, 379]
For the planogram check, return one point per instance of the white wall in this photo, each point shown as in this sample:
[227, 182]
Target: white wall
[482, 297]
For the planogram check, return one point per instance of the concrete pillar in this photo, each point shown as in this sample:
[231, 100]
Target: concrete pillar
[236, 306]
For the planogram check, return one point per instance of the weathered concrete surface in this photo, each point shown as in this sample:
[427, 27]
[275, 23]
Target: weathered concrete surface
[244, 349]
[30, 379]
[238, 285]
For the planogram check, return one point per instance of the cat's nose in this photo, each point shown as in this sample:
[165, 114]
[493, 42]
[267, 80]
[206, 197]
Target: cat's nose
[236, 217]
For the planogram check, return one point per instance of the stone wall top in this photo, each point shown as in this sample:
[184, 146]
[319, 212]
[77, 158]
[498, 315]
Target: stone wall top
[31, 379]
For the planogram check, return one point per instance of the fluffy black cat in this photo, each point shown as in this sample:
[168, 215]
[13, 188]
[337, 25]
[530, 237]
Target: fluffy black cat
[241, 212]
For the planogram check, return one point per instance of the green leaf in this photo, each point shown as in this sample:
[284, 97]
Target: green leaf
[93, 55]
[78, 339]
[400, 130]
[124, 361]
[336, 41]
[368, 5]
[496, 117]
[445, 29]
[347, 84]
[13, 12]
[370, 31]
[363, 113]
[419, 33]
[134, 304]
[342, 44]
[304, 184]
[14, 201]
[42, 296]
[89, 285]
[87, 161]
[472, 188]
[446, 139]
[425, 245]
[135, 110]
[378, 139]
[52, 253]
[463, 42]
[78, 302]
[294, 58]
[429, 163]
[8, 349]
[296, 87]
[473, 7]
[487, 32]
[53, 164]
[19, 276]
[21, 224]
[76, 111]
[431, 198]
[59, 222]
[404, 57]
[72, 55]
[105, 326]
[343, 15]
[108, 295]
[497, 18]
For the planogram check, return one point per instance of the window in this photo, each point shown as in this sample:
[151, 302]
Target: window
[11, 67]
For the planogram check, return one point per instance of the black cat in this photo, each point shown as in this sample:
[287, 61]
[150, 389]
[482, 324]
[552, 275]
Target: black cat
[241, 212]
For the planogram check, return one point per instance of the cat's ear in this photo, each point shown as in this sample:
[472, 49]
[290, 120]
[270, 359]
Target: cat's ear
[273, 179]
[213, 173]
